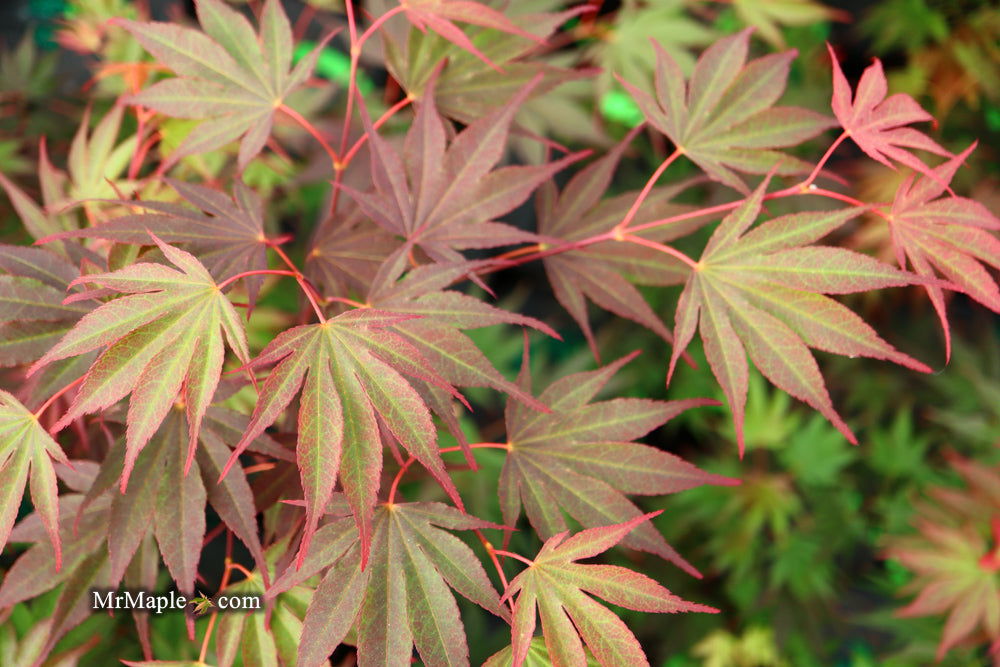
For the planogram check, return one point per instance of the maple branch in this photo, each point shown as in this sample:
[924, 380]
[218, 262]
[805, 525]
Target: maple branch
[515, 556]
[311, 129]
[349, 302]
[647, 189]
[822, 161]
[673, 252]
[363, 139]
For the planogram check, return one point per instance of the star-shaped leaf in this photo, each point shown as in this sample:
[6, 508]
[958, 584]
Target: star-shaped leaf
[164, 340]
[724, 119]
[226, 234]
[761, 292]
[876, 122]
[26, 453]
[228, 75]
[439, 16]
[768, 15]
[598, 272]
[580, 459]
[443, 198]
[402, 597]
[557, 586]
[955, 557]
[350, 369]
[953, 235]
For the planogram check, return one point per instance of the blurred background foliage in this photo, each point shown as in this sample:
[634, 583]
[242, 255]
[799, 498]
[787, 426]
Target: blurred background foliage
[804, 557]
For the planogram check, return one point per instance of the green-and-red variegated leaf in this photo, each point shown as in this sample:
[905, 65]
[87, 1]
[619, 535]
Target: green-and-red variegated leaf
[557, 586]
[761, 292]
[233, 80]
[26, 454]
[952, 235]
[439, 15]
[876, 122]
[402, 597]
[225, 233]
[162, 341]
[349, 368]
[724, 118]
[579, 459]
[444, 197]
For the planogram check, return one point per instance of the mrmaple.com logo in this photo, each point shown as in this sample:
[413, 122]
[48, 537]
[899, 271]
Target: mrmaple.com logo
[157, 603]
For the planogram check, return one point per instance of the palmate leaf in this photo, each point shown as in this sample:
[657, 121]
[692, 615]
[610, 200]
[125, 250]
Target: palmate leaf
[346, 252]
[724, 119]
[952, 235]
[439, 15]
[228, 75]
[402, 597]
[876, 122]
[579, 459]
[33, 316]
[164, 340]
[598, 272]
[557, 586]
[443, 198]
[82, 531]
[350, 369]
[761, 292]
[768, 15]
[957, 567]
[467, 88]
[26, 453]
[226, 234]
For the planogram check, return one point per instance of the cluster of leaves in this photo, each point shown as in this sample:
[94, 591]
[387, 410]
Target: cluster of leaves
[300, 441]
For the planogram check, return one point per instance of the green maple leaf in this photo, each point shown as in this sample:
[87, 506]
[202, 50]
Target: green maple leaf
[201, 603]
[402, 597]
[579, 459]
[557, 586]
[228, 75]
[761, 292]
[768, 15]
[164, 340]
[26, 454]
[724, 119]
[350, 369]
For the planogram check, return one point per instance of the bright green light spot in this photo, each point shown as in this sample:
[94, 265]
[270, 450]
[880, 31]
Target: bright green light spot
[619, 107]
[334, 65]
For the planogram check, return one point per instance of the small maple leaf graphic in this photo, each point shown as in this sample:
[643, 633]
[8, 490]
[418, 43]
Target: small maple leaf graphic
[202, 603]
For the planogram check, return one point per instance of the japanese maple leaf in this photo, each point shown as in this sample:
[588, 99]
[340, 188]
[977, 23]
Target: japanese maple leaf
[402, 597]
[164, 340]
[467, 87]
[350, 370]
[26, 453]
[579, 459]
[443, 199]
[876, 122]
[228, 75]
[957, 567]
[225, 234]
[33, 316]
[598, 272]
[761, 292]
[953, 235]
[346, 252]
[438, 15]
[768, 15]
[437, 317]
[557, 585]
[724, 119]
